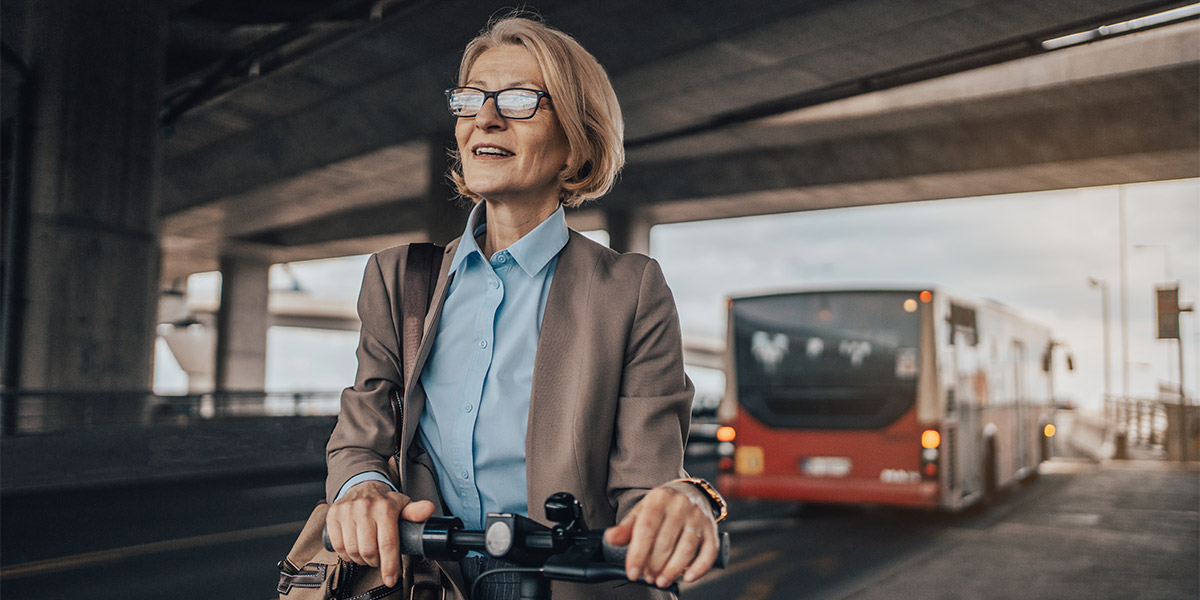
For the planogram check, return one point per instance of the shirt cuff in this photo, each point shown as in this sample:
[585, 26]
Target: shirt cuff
[361, 478]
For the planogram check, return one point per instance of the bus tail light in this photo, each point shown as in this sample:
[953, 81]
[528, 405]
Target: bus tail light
[931, 440]
[725, 464]
[726, 434]
[725, 449]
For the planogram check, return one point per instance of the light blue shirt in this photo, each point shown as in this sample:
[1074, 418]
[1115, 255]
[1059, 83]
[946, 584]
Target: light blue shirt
[480, 371]
[479, 374]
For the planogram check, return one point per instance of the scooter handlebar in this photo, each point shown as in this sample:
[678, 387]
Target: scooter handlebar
[444, 536]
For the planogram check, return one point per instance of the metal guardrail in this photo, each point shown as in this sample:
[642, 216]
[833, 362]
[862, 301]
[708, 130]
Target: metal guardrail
[1143, 421]
[37, 412]
[1164, 427]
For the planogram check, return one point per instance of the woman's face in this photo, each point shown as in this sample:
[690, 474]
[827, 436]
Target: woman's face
[511, 159]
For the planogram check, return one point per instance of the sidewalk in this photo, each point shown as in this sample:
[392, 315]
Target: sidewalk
[1117, 529]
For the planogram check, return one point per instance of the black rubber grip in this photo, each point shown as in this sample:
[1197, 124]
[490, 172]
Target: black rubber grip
[410, 538]
[616, 554]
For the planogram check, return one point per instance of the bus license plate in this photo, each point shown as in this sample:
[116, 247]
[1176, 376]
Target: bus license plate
[825, 466]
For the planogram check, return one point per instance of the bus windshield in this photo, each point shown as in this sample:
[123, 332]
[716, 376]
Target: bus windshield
[836, 360]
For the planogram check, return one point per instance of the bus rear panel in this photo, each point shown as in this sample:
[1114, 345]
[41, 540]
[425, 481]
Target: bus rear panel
[827, 386]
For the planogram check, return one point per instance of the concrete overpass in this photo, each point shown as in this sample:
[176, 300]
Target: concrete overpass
[788, 106]
[297, 130]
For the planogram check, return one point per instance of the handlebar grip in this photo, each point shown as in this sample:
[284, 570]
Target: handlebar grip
[413, 536]
[410, 538]
[616, 554]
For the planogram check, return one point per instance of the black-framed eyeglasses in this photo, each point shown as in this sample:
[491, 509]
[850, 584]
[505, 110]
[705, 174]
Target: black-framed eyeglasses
[511, 103]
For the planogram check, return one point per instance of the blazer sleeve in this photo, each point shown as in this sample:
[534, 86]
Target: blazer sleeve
[654, 405]
[363, 438]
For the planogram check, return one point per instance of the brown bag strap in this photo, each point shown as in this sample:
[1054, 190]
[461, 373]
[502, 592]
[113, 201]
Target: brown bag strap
[421, 270]
[420, 274]
[426, 580]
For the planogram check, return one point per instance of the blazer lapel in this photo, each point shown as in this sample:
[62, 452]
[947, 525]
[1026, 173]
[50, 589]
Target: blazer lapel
[550, 394]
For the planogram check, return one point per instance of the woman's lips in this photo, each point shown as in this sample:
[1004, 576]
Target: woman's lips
[491, 151]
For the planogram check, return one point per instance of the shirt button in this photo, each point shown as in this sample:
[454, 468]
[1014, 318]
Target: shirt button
[502, 258]
[483, 343]
[468, 408]
[464, 474]
[495, 283]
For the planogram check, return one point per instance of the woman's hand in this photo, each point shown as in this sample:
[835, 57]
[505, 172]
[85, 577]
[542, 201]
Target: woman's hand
[671, 529]
[364, 527]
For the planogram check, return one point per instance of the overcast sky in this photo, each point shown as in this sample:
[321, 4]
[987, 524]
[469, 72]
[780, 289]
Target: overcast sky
[1033, 252]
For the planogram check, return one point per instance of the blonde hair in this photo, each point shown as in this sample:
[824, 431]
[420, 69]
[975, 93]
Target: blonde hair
[584, 104]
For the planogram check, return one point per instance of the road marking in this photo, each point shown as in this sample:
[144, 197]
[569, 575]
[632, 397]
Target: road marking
[862, 584]
[734, 568]
[764, 586]
[89, 559]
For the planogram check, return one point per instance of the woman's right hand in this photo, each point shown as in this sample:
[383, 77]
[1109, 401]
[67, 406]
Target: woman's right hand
[363, 526]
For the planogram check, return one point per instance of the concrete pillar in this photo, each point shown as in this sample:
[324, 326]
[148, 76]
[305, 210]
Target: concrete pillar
[241, 361]
[88, 293]
[445, 214]
[628, 230]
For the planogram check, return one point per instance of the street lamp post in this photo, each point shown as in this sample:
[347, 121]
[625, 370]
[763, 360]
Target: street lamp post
[1124, 289]
[1100, 283]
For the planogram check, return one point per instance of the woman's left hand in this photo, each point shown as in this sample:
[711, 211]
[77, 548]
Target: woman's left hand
[669, 531]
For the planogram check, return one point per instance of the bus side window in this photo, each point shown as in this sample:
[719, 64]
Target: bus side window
[962, 319]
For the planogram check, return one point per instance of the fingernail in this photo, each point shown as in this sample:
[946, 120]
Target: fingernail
[689, 577]
[662, 582]
[634, 573]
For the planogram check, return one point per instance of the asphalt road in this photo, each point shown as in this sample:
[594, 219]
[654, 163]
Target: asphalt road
[222, 538]
[199, 539]
[814, 551]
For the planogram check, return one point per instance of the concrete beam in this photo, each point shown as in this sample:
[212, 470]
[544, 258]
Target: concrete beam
[1118, 111]
[1131, 67]
[1129, 140]
[397, 171]
[382, 87]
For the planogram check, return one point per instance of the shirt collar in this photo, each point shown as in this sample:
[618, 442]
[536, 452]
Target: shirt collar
[532, 252]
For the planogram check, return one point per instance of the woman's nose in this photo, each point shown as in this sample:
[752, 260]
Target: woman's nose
[488, 117]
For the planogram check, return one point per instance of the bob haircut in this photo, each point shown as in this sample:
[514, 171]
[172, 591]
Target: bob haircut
[584, 103]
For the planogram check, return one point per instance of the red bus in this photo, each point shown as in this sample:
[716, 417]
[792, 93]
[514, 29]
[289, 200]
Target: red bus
[874, 396]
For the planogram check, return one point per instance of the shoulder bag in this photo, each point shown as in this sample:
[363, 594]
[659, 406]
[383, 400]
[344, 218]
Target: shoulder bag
[309, 571]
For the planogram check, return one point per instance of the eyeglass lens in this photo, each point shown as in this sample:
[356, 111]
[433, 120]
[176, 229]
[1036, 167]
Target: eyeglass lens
[510, 103]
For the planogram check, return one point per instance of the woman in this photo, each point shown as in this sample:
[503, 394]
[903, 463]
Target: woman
[549, 363]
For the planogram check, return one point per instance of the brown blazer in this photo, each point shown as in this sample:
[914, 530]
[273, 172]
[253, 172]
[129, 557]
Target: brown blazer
[609, 407]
